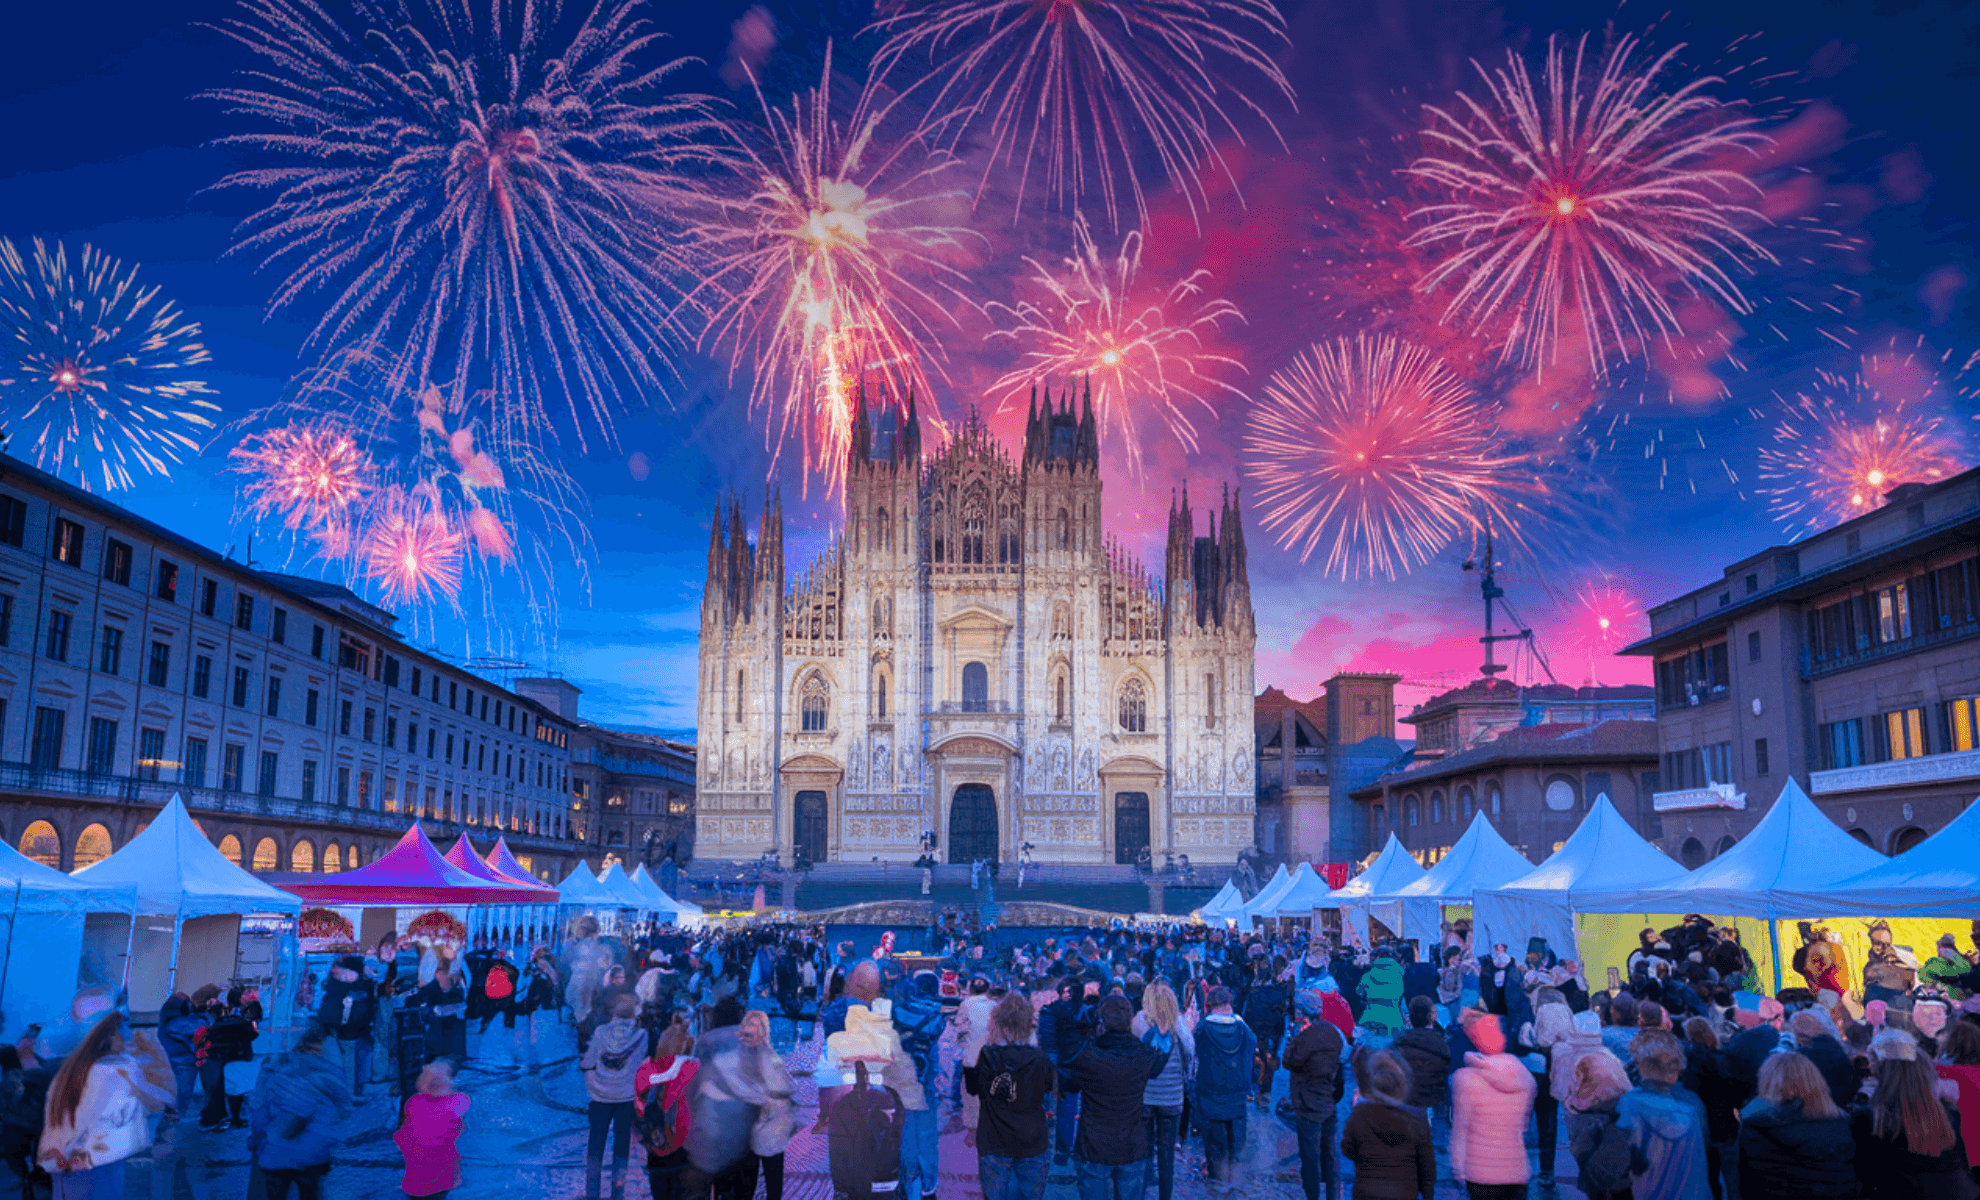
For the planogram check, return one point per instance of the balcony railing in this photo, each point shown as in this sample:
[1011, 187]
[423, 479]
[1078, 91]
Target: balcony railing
[1715, 795]
[1883, 650]
[21, 778]
[994, 707]
[1900, 772]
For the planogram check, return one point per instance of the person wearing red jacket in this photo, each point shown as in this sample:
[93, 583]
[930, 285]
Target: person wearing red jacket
[662, 1083]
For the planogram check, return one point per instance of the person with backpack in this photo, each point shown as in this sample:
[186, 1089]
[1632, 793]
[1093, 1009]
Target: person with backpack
[349, 1012]
[429, 1135]
[919, 1020]
[1427, 1053]
[1594, 1084]
[1665, 1124]
[498, 992]
[1162, 1029]
[229, 1040]
[661, 1113]
[610, 1063]
[299, 1102]
[1387, 1137]
[1012, 1079]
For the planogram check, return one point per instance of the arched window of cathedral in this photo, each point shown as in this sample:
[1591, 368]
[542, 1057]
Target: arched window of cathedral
[1007, 534]
[883, 531]
[1209, 700]
[739, 697]
[883, 625]
[937, 532]
[1059, 699]
[812, 701]
[1134, 707]
[975, 687]
[976, 515]
[1061, 620]
[1065, 530]
[880, 693]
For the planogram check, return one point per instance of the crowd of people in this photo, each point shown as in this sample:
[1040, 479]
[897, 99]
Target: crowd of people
[1099, 1054]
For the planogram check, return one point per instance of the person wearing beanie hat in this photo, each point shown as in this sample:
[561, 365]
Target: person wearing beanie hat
[1313, 1059]
[1491, 1102]
[349, 1013]
[1946, 970]
[1427, 1051]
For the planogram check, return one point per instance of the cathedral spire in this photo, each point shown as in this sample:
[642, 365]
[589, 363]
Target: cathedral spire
[860, 452]
[911, 434]
[714, 595]
[1088, 452]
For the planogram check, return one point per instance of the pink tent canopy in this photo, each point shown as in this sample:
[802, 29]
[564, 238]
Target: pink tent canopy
[462, 855]
[413, 872]
[505, 863]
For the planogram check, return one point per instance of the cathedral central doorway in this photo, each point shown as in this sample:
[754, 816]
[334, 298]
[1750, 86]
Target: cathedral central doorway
[808, 830]
[973, 824]
[1130, 826]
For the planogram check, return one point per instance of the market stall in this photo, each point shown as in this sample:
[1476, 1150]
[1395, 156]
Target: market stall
[1392, 870]
[200, 918]
[61, 934]
[665, 910]
[1604, 852]
[1274, 888]
[582, 893]
[413, 873]
[1226, 905]
[1307, 892]
[1480, 858]
[614, 880]
[1937, 878]
[521, 916]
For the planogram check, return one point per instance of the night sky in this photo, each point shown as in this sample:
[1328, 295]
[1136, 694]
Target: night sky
[107, 141]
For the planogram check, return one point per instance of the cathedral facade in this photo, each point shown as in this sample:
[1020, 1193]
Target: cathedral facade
[974, 658]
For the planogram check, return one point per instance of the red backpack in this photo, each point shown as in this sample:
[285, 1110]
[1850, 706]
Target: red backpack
[500, 982]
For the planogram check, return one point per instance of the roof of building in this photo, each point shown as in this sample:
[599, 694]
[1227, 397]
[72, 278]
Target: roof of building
[1268, 704]
[1600, 741]
[1504, 691]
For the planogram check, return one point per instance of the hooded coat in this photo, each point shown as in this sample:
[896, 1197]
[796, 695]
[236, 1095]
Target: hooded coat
[1786, 1155]
[178, 1031]
[1428, 1053]
[1011, 1121]
[298, 1104]
[1225, 1047]
[1314, 1058]
[350, 1004]
[1112, 1072]
[1666, 1128]
[1382, 989]
[1393, 1155]
[1491, 1097]
[612, 1060]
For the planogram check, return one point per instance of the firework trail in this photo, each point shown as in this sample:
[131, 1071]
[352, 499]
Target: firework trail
[479, 186]
[1842, 446]
[829, 261]
[1144, 349]
[1077, 90]
[1584, 209]
[1373, 451]
[94, 366]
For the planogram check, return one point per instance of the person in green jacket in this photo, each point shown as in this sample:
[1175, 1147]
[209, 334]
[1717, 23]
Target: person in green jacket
[1381, 989]
[1947, 969]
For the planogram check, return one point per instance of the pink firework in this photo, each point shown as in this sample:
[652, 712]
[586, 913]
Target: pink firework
[1845, 445]
[1372, 451]
[1145, 350]
[1078, 90]
[1582, 210]
[410, 549]
[308, 474]
[1604, 618]
[830, 259]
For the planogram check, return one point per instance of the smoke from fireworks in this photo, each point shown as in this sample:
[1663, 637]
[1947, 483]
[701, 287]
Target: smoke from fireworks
[1372, 451]
[1846, 443]
[475, 185]
[93, 366]
[1076, 91]
[1145, 350]
[1583, 210]
[823, 266]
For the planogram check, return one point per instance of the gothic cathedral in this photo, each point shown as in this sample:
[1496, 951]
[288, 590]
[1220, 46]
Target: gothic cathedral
[974, 658]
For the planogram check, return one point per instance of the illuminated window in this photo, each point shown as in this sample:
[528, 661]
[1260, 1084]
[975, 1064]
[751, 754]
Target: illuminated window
[302, 857]
[266, 856]
[40, 842]
[230, 849]
[333, 859]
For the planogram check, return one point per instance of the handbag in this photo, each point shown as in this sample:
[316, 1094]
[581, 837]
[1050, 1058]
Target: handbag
[776, 1125]
[238, 1078]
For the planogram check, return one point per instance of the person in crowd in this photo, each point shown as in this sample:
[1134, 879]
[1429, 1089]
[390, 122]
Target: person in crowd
[1552, 1024]
[1959, 1065]
[1603, 1157]
[1111, 1073]
[1665, 1124]
[1012, 1079]
[1620, 1027]
[443, 999]
[610, 1062]
[1314, 1059]
[1162, 1030]
[1061, 1034]
[1498, 975]
[1746, 1051]
[972, 1023]
[1265, 1012]
[1427, 1053]
[1815, 1037]
[96, 1115]
[1908, 1144]
[1794, 1143]
[1225, 1047]
[661, 1110]
[1491, 1102]
[230, 1038]
[179, 1030]
[429, 1134]
[295, 1116]
[349, 1012]
[1387, 1137]
[918, 1021]
[1585, 1038]
[1706, 1077]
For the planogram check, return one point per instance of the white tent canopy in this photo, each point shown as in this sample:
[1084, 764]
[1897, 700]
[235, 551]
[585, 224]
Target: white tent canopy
[581, 889]
[1273, 889]
[47, 922]
[1307, 892]
[1481, 858]
[1794, 863]
[1604, 851]
[1226, 905]
[657, 901]
[1392, 870]
[1939, 877]
[615, 881]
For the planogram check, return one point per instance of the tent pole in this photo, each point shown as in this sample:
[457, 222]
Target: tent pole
[13, 924]
[1774, 940]
[130, 948]
[172, 968]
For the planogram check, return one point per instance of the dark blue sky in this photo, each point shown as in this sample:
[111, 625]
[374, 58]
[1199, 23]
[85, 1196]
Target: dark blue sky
[107, 141]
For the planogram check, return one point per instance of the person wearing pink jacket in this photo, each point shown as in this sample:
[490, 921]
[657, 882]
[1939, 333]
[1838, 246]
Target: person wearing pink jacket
[430, 1135]
[1491, 1101]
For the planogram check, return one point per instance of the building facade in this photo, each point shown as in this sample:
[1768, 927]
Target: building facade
[1487, 706]
[1848, 661]
[976, 661]
[632, 794]
[302, 732]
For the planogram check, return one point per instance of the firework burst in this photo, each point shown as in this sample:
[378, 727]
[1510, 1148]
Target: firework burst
[478, 186]
[310, 475]
[411, 550]
[1145, 350]
[1603, 618]
[1372, 451]
[1077, 90]
[1844, 445]
[1582, 210]
[830, 261]
[94, 366]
